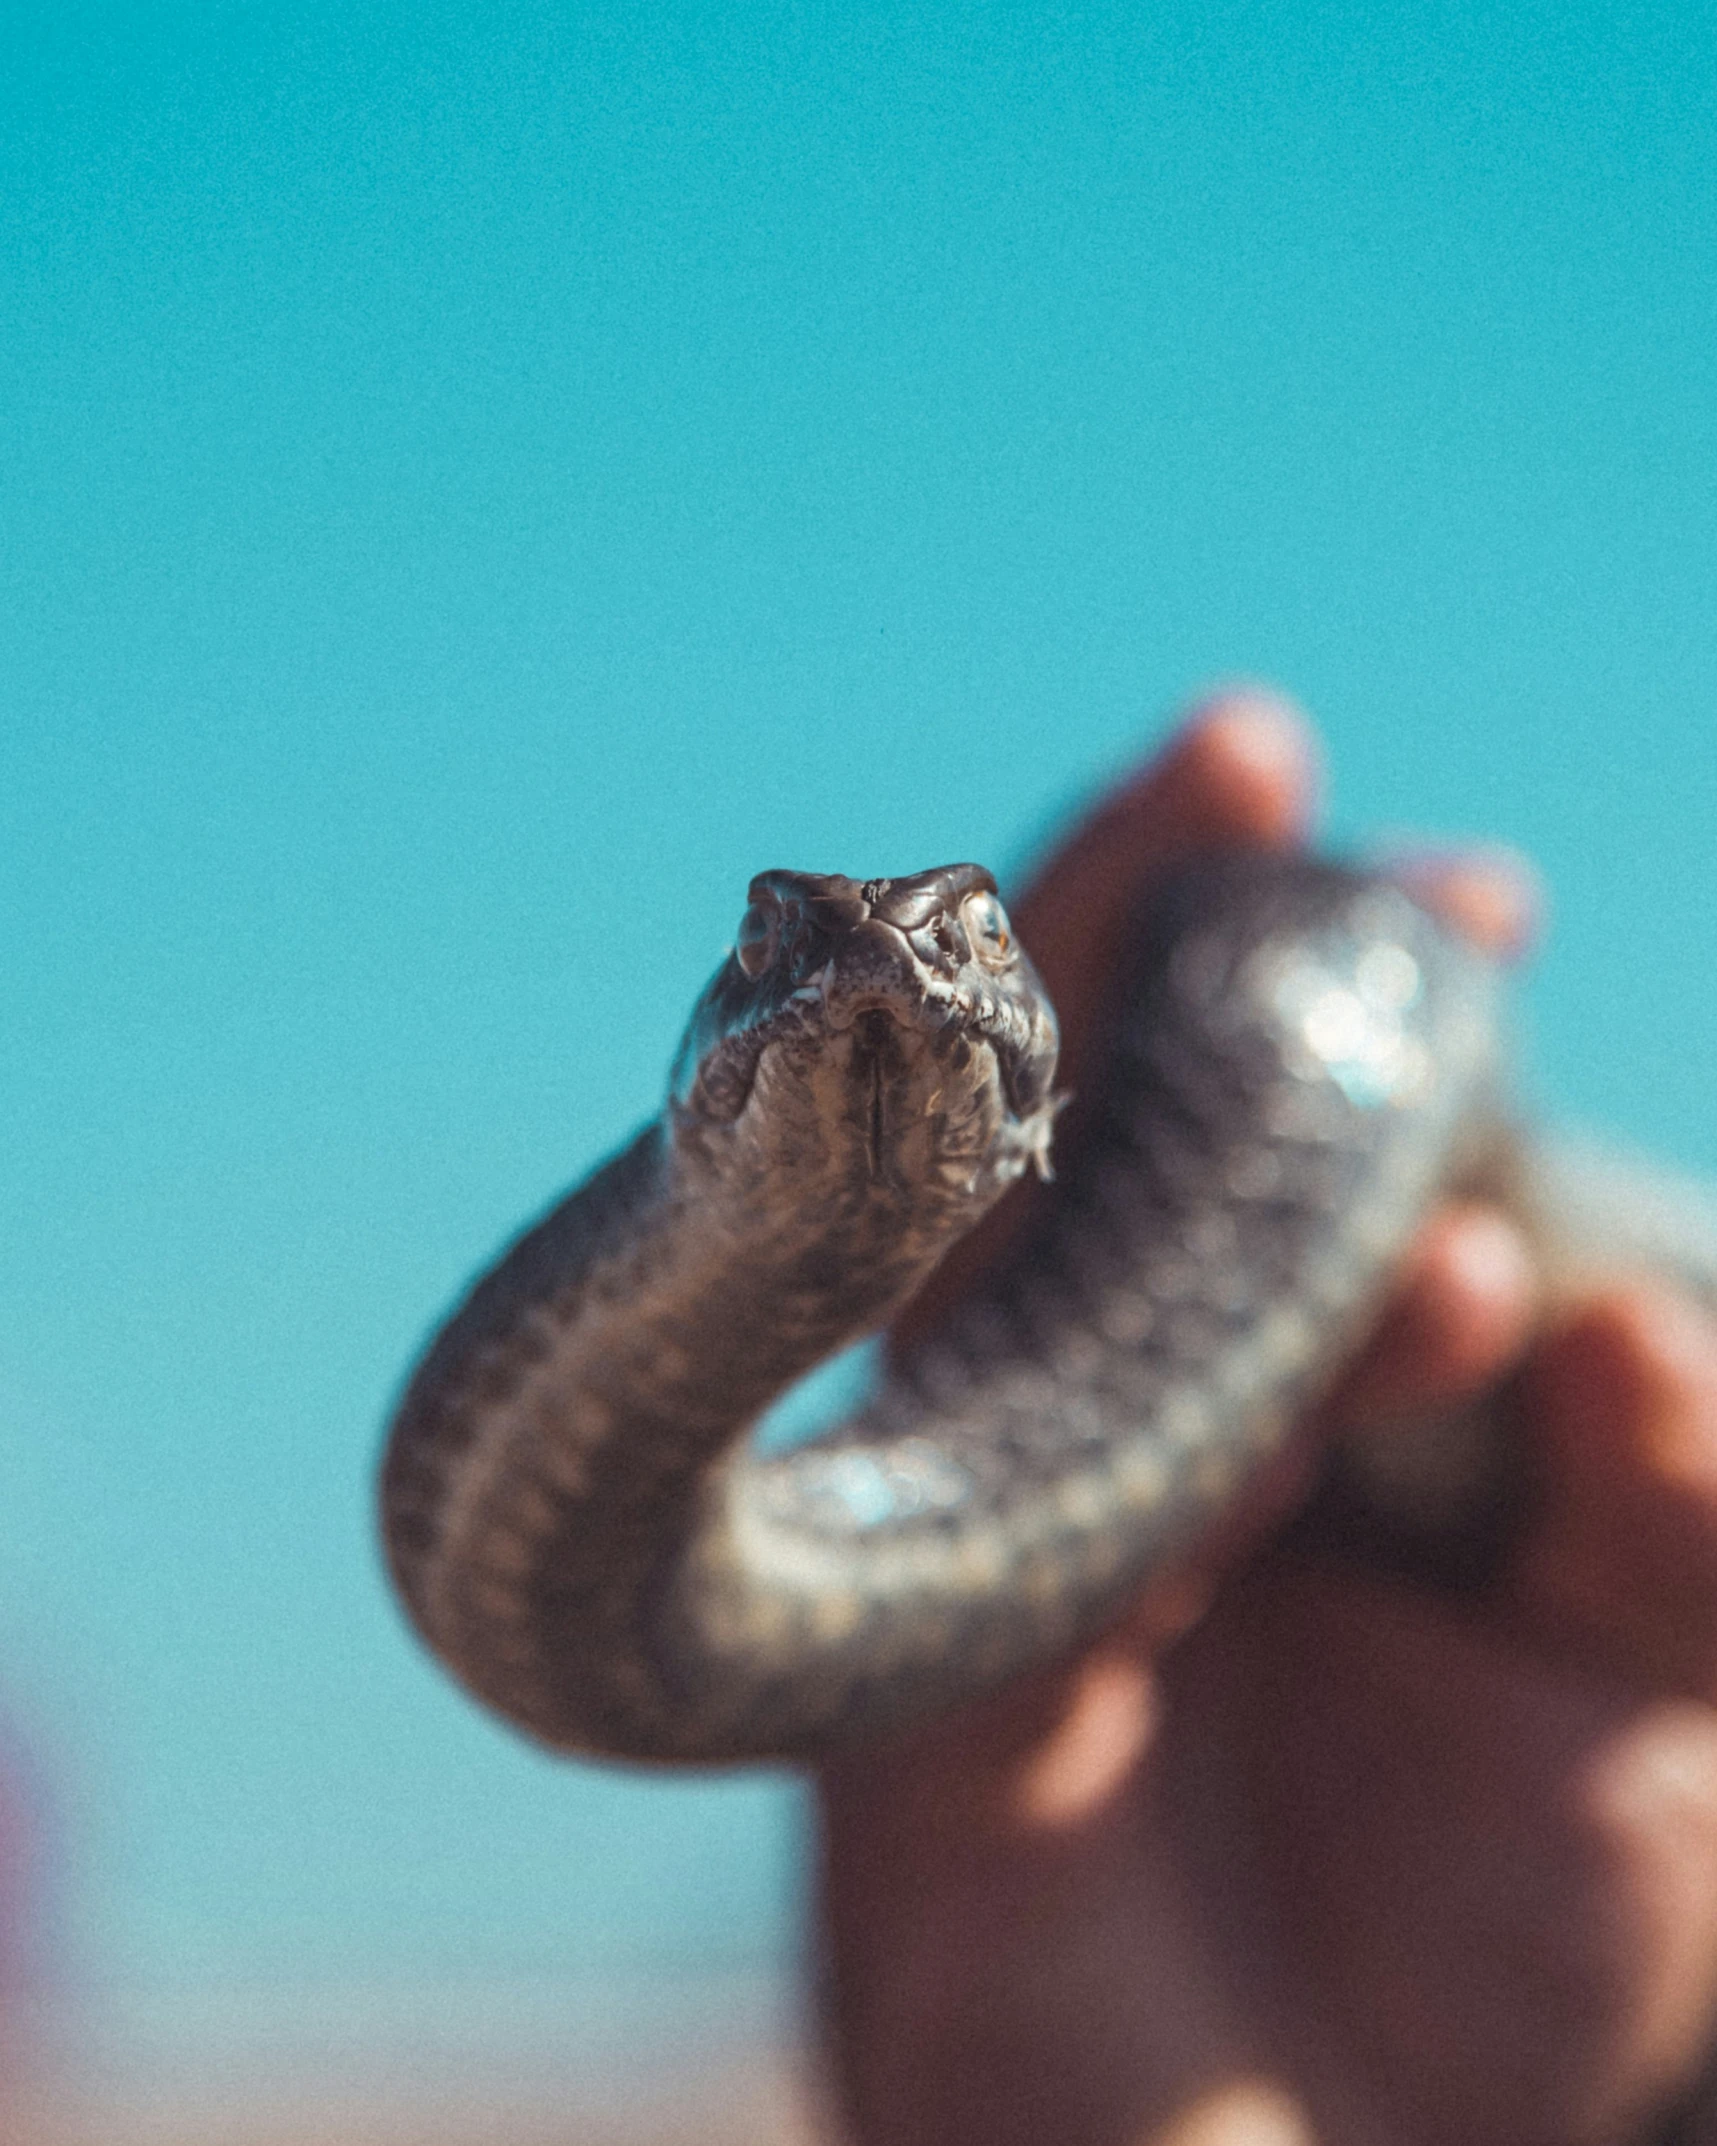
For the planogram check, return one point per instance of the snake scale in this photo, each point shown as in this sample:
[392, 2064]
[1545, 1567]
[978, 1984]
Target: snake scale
[1301, 1061]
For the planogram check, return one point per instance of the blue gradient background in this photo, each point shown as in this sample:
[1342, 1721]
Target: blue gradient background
[480, 482]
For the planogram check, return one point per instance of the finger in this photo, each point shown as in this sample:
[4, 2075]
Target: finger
[1492, 896]
[1420, 1475]
[1044, 1749]
[1459, 1315]
[1621, 1402]
[1241, 771]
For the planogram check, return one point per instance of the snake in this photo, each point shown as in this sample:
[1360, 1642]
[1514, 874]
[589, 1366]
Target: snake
[1299, 1062]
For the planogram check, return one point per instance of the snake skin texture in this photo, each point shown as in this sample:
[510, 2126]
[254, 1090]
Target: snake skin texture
[1299, 1064]
[572, 1509]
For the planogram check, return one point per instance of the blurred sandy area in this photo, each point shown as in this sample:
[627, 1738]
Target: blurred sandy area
[744, 2107]
[713, 2060]
[737, 2108]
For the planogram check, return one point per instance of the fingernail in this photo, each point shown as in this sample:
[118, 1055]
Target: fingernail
[1490, 893]
[1254, 725]
[1264, 746]
[1489, 1258]
[1095, 1748]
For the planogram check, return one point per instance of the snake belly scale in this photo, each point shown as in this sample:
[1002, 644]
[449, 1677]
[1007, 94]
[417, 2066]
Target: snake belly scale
[573, 1511]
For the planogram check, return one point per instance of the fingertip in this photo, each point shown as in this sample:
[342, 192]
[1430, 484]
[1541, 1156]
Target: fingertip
[1621, 1400]
[1095, 1748]
[1630, 1380]
[1239, 769]
[1485, 1258]
[1493, 896]
[1460, 1314]
[1583, 1371]
[1240, 772]
[1253, 752]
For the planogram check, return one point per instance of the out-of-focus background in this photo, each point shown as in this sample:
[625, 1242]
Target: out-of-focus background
[478, 483]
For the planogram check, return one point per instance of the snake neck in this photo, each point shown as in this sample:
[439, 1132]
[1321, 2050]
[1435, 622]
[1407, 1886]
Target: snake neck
[552, 1451]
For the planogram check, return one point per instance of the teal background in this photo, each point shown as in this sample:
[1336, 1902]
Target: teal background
[478, 483]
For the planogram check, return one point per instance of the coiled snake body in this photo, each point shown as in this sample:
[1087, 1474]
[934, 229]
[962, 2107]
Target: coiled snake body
[1302, 1063]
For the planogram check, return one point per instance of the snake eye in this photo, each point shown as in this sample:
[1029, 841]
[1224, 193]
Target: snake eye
[758, 936]
[987, 927]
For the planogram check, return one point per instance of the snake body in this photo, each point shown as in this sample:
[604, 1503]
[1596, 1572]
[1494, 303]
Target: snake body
[1301, 1061]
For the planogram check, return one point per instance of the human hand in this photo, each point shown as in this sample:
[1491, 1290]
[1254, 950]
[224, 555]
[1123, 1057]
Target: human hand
[1351, 1860]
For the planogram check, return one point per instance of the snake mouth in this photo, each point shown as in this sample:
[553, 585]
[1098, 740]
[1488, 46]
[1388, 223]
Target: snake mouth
[873, 1042]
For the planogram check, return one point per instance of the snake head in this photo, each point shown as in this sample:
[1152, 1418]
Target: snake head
[922, 971]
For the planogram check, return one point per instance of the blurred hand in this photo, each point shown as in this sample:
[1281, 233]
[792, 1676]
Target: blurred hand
[1355, 1861]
